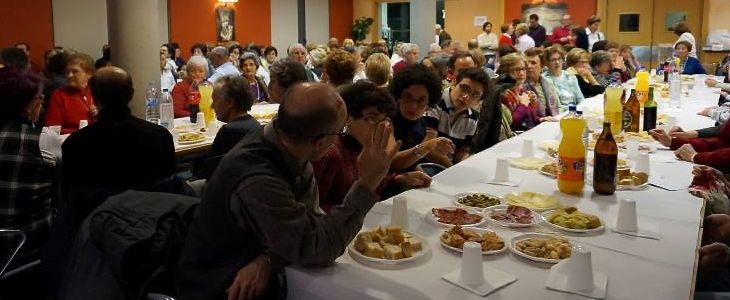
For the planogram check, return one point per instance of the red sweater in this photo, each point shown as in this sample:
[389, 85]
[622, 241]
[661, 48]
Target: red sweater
[181, 98]
[69, 106]
[505, 40]
[712, 151]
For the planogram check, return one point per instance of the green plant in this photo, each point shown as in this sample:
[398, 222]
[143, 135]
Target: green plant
[361, 28]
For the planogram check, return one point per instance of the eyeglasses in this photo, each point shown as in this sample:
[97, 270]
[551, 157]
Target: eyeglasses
[342, 132]
[372, 120]
[520, 69]
[466, 90]
[407, 99]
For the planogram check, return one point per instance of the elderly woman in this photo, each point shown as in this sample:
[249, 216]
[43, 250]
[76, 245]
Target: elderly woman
[284, 74]
[409, 53]
[544, 89]
[602, 65]
[339, 68]
[416, 89]
[685, 34]
[73, 102]
[185, 93]
[522, 104]
[26, 175]
[249, 64]
[577, 62]
[168, 68]
[299, 53]
[377, 69]
[367, 105]
[566, 84]
[688, 65]
[524, 41]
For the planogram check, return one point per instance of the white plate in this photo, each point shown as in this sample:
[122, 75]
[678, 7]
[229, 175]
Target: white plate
[193, 141]
[539, 195]
[480, 231]
[433, 218]
[488, 210]
[416, 255]
[459, 195]
[525, 236]
[546, 214]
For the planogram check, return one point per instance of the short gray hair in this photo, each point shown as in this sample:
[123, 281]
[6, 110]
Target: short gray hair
[197, 61]
[295, 46]
[599, 57]
[407, 47]
[250, 55]
[220, 51]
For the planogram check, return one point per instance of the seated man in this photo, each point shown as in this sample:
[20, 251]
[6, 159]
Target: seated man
[220, 60]
[454, 118]
[284, 74]
[260, 210]
[119, 151]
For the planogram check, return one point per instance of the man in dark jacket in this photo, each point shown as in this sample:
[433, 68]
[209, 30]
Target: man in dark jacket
[489, 128]
[537, 31]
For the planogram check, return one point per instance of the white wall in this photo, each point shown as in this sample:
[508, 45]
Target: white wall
[317, 21]
[80, 25]
[284, 30]
[423, 20]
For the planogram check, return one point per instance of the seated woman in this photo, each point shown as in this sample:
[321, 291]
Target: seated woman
[632, 64]
[249, 64]
[577, 60]
[602, 65]
[543, 87]
[454, 117]
[687, 65]
[522, 104]
[710, 151]
[416, 89]
[566, 84]
[270, 54]
[73, 102]
[617, 61]
[367, 105]
[26, 176]
[339, 68]
[377, 69]
[185, 93]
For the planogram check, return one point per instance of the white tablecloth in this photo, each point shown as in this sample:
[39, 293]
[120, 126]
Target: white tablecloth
[637, 268]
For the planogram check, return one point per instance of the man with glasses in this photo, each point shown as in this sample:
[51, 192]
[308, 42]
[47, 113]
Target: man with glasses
[260, 210]
[454, 117]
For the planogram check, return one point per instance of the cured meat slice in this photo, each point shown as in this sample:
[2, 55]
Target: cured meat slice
[457, 216]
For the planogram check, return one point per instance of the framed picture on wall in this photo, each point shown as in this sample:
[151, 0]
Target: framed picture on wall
[225, 20]
[628, 22]
[672, 18]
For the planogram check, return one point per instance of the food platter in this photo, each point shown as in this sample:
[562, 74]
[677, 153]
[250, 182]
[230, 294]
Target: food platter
[533, 201]
[446, 237]
[528, 163]
[546, 218]
[470, 198]
[518, 241]
[420, 248]
[191, 138]
[456, 214]
[503, 209]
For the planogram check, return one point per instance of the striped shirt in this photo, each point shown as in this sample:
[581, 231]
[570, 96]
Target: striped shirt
[458, 127]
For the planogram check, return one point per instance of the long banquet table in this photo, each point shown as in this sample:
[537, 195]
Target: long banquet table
[637, 268]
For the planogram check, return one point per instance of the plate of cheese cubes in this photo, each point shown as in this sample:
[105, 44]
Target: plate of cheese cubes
[387, 245]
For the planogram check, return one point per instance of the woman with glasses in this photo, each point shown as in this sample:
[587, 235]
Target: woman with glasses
[454, 117]
[566, 84]
[521, 103]
[367, 106]
[73, 102]
[185, 93]
[577, 62]
[416, 89]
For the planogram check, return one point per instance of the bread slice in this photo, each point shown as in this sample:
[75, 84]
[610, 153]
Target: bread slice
[407, 249]
[393, 230]
[374, 250]
[415, 243]
[362, 240]
[393, 252]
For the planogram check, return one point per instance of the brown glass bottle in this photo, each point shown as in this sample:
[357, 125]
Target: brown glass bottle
[632, 109]
[605, 160]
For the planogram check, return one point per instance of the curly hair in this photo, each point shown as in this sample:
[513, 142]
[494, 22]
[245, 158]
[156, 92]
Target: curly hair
[340, 67]
[365, 94]
[414, 75]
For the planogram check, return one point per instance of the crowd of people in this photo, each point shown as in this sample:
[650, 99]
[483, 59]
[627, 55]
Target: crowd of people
[355, 124]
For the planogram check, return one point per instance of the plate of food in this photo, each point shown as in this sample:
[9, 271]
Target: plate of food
[571, 220]
[191, 138]
[459, 216]
[387, 245]
[541, 247]
[548, 144]
[528, 163]
[533, 201]
[641, 136]
[628, 180]
[455, 237]
[550, 169]
[510, 216]
[477, 200]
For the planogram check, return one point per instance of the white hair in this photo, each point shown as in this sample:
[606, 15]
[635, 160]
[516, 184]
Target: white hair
[222, 51]
[295, 46]
[197, 61]
[407, 47]
[438, 26]
[434, 47]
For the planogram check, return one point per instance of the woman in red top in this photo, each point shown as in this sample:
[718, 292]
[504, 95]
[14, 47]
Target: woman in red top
[185, 93]
[73, 102]
[711, 151]
[506, 38]
[521, 103]
[367, 106]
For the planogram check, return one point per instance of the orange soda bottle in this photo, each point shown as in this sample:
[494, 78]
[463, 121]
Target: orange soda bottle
[571, 154]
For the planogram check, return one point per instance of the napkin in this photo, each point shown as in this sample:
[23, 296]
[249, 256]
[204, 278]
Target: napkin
[493, 280]
[640, 233]
[510, 182]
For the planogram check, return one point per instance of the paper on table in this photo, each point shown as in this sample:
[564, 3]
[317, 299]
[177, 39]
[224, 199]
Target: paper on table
[493, 280]
[510, 182]
[667, 183]
[558, 281]
[640, 233]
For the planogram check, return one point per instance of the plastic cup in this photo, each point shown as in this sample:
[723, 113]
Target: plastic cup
[399, 212]
[528, 148]
[580, 270]
[642, 163]
[632, 148]
[472, 270]
[200, 119]
[83, 123]
[501, 172]
[626, 218]
[56, 128]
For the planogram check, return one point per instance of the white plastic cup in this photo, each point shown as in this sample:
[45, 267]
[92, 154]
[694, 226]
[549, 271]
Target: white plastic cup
[652, 72]
[642, 163]
[632, 148]
[501, 172]
[626, 218]
[399, 212]
[200, 119]
[579, 275]
[472, 270]
[528, 148]
[83, 123]
[56, 129]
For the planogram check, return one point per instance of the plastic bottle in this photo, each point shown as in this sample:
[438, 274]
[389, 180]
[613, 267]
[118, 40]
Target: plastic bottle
[675, 90]
[642, 86]
[650, 111]
[206, 102]
[152, 105]
[571, 154]
[167, 115]
[612, 107]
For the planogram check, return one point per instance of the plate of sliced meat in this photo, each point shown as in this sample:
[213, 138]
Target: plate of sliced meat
[510, 216]
[450, 216]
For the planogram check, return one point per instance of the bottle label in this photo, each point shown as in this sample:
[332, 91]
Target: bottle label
[627, 118]
[642, 96]
[571, 168]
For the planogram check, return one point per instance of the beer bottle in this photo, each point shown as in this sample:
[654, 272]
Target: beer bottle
[605, 159]
[650, 111]
[631, 112]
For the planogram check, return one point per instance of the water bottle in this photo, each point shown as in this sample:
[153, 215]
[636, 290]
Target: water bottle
[167, 115]
[152, 105]
[675, 90]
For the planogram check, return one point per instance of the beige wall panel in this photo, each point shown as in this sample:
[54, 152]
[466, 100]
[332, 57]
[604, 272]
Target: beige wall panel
[460, 15]
[694, 19]
[610, 26]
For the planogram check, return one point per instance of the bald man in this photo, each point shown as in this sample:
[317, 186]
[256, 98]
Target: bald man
[119, 151]
[261, 211]
[223, 66]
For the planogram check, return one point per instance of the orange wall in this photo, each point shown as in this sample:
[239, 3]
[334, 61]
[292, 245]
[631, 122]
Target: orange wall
[193, 21]
[579, 10]
[36, 31]
[341, 18]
